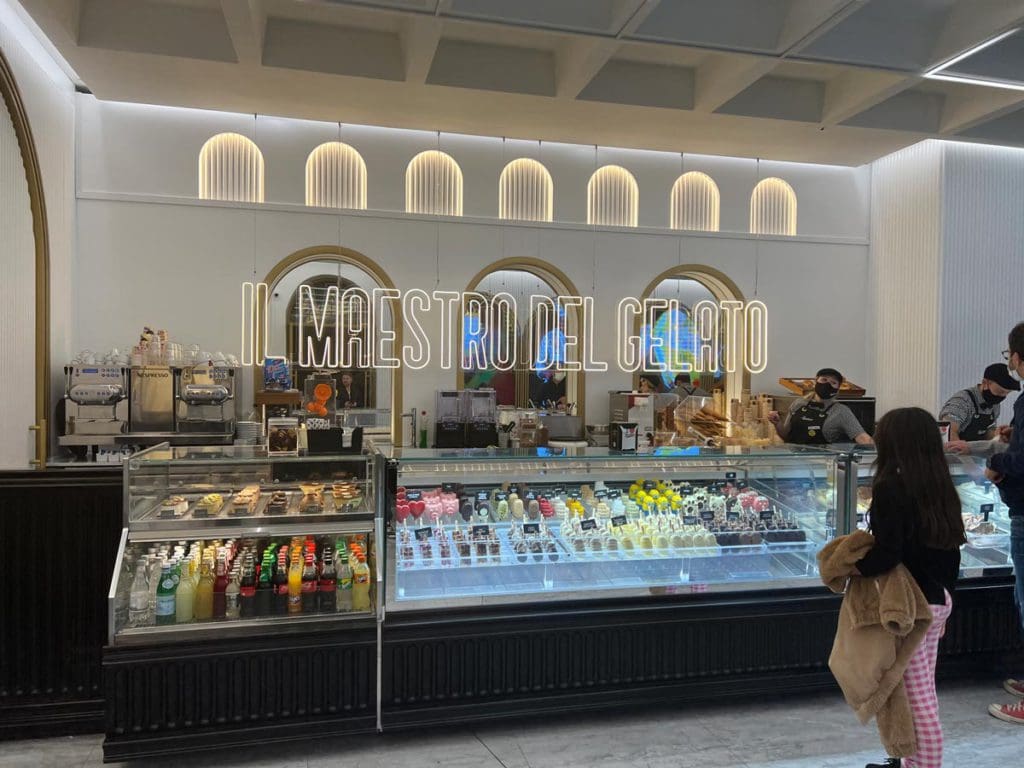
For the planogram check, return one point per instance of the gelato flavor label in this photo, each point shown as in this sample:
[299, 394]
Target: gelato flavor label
[449, 487]
[501, 496]
[589, 524]
[767, 514]
[422, 534]
[986, 510]
[707, 514]
[618, 521]
[730, 475]
[689, 520]
[732, 515]
[483, 531]
[601, 494]
[650, 485]
[413, 495]
[531, 528]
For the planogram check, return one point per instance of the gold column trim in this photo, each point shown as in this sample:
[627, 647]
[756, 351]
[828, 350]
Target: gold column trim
[720, 284]
[550, 274]
[356, 259]
[33, 176]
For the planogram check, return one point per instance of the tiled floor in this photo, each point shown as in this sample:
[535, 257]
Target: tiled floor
[810, 732]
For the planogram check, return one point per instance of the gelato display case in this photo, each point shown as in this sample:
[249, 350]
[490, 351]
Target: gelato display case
[986, 518]
[230, 541]
[498, 528]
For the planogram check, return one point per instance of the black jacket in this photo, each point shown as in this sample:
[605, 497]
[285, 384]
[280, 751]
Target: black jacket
[1010, 464]
[893, 517]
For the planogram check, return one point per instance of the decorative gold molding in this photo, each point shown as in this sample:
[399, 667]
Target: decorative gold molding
[33, 176]
[550, 274]
[356, 259]
[720, 284]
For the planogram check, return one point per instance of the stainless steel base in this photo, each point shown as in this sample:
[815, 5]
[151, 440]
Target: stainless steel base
[148, 438]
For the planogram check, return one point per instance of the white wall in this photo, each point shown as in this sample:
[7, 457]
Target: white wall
[947, 246]
[48, 96]
[149, 254]
[983, 259]
[906, 205]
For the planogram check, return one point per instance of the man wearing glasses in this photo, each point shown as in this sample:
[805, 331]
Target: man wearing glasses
[1006, 470]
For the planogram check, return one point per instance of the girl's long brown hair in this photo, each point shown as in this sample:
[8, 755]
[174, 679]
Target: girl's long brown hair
[910, 453]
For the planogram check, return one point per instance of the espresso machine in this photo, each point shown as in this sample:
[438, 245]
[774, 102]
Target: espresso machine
[204, 400]
[480, 407]
[152, 399]
[95, 400]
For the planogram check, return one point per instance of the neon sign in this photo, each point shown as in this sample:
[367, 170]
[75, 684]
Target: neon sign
[352, 329]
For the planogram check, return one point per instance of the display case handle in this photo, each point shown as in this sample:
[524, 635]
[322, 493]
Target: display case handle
[40, 429]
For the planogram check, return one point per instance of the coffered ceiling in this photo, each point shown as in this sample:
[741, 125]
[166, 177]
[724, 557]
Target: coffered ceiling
[832, 81]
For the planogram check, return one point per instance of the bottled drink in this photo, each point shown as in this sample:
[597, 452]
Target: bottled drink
[203, 607]
[309, 584]
[184, 597]
[138, 599]
[220, 585]
[361, 585]
[280, 585]
[344, 596]
[264, 591]
[328, 583]
[154, 581]
[233, 598]
[295, 584]
[247, 588]
[165, 597]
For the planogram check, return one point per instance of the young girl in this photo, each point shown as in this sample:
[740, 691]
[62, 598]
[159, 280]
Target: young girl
[915, 519]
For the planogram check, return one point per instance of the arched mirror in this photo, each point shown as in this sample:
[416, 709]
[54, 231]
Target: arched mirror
[537, 333]
[669, 333]
[303, 292]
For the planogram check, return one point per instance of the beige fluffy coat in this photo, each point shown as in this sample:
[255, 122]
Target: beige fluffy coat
[882, 621]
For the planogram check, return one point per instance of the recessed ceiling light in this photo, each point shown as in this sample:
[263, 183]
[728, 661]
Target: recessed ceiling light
[938, 72]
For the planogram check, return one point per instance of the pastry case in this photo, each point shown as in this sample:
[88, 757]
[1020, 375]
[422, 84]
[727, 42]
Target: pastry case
[233, 541]
[986, 518]
[470, 528]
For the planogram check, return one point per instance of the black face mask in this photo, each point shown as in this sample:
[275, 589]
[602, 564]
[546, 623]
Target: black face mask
[825, 390]
[991, 399]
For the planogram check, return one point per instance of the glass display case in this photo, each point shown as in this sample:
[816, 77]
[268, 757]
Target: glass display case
[482, 527]
[232, 541]
[986, 518]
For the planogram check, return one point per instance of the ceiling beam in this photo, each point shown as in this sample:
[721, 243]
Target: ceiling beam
[969, 107]
[722, 77]
[856, 90]
[807, 20]
[420, 36]
[971, 22]
[579, 60]
[247, 23]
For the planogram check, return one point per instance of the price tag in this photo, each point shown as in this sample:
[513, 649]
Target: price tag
[986, 510]
[615, 494]
[531, 528]
[422, 534]
[559, 489]
[483, 496]
[650, 485]
[601, 494]
[413, 495]
[689, 520]
[501, 496]
[730, 475]
[767, 514]
[482, 531]
[450, 487]
[732, 515]
[574, 496]
[589, 524]
[707, 514]
[531, 496]
[618, 521]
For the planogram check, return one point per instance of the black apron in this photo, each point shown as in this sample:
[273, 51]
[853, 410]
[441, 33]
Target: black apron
[979, 425]
[807, 425]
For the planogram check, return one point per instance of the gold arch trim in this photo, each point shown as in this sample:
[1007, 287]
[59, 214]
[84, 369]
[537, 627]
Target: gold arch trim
[550, 274]
[722, 287]
[33, 176]
[368, 265]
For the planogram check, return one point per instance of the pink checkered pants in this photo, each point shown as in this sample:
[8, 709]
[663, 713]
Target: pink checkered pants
[919, 680]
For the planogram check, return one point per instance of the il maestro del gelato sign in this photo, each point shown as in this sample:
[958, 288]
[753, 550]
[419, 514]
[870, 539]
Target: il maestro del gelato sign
[353, 328]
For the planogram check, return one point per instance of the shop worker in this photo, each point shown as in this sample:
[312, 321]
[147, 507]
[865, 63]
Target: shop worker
[1006, 470]
[972, 413]
[820, 419]
[686, 386]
